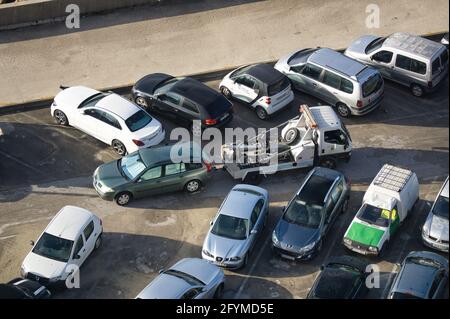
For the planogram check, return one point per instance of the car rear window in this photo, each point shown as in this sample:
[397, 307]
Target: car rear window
[278, 87]
[219, 107]
[372, 85]
[316, 189]
[138, 120]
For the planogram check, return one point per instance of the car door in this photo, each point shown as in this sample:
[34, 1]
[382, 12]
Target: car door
[90, 235]
[245, 89]
[169, 104]
[88, 121]
[408, 70]
[189, 111]
[382, 60]
[330, 90]
[256, 222]
[334, 142]
[174, 177]
[312, 74]
[149, 182]
[109, 127]
[394, 221]
[79, 253]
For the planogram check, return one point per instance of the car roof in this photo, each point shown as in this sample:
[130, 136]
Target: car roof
[444, 191]
[412, 44]
[161, 154]
[325, 117]
[196, 91]
[165, 287]
[318, 184]
[68, 222]
[337, 61]
[265, 73]
[416, 279]
[239, 203]
[118, 105]
[336, 282]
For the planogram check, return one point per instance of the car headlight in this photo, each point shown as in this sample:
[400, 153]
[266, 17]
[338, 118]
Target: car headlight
[308, 247]
[207, 253]
[347, 241]
[373, 249]
[235, 258]
[275, 239]
[23, 272]
[104, 188]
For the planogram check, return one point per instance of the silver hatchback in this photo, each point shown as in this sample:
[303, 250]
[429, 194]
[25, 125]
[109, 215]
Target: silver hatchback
[348, 85]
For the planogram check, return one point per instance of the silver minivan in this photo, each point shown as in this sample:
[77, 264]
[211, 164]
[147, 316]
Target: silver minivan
[348, 85]
[413, 61]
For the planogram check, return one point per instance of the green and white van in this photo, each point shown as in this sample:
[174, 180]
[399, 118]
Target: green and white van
[386, 203]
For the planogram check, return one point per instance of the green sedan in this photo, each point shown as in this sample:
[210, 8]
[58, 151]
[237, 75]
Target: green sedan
[149, 172]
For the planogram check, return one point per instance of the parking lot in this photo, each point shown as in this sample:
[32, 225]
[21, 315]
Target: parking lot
[44, 167]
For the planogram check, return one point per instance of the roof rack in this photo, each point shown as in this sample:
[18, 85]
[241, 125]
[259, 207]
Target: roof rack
[392, 177]
[310, 120]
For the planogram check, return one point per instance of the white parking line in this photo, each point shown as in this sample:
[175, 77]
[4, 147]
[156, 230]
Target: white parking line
[20, 162]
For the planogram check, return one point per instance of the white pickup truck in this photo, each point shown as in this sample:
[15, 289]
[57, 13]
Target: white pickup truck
[387, 202]
[316, 137]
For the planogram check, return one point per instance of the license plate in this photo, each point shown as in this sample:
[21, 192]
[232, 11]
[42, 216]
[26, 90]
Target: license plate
[288, 257]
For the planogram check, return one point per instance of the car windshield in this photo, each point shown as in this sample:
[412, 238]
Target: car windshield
[423, 262]
[53, 247]
[132, 166]
[374, 45]
[372, 85]
[138, 120]
[191, 280]
[92, 100]
[374, 215]
[300, 57]
[230, 227]
[303, 214]
[240, 71]
[165, 86]
[441, 207]
[337, 281]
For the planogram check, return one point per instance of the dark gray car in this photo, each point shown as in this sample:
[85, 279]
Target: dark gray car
[423, 275]
[310, 214]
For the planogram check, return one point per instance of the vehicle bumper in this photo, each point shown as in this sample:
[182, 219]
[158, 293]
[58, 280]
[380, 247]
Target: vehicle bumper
[102, 195]
[435, 244]
[221, 123]
[368, 108]
[294, 256]
[361, 249]
[272, 109]
[225, 263]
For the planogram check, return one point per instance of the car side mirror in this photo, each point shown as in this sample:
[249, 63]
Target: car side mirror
[32, 242]
[211, 223]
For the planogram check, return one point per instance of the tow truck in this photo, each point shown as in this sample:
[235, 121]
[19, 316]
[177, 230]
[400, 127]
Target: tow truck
[315, 137]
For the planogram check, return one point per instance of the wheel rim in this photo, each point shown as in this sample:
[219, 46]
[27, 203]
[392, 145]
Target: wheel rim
[192, 186]
[141, 101]
[98, 242]
[123, 199]
[226, 92]
[343, 110]
[290, 135]
[60, 117]
[417, 90]
[261, 114]
[119, 148]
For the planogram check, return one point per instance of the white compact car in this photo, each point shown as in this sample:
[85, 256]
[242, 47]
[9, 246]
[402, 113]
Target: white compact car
[261, 86]
[65, 244]
[108, 117]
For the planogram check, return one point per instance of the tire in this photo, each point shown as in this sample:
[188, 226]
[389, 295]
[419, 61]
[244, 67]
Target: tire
[123, 198]
[141, 101]
[345, 206]
[193, 186]
[98, 242]
[226, 92]
[261, 113]
[343, 110]
[61, 118]
[291, 135]
[219, 292]
[328, 163]
[119, 148]
[417, 90]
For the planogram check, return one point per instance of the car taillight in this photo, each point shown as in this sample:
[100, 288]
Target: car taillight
[267, 100]
[208, 166]
[359, 103]
[210, 122]
[138, 143]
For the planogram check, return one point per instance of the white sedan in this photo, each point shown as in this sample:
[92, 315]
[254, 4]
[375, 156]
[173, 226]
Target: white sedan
[64, 246]
[108, 117]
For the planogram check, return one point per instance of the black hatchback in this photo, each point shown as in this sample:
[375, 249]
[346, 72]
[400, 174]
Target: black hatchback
[182, 100]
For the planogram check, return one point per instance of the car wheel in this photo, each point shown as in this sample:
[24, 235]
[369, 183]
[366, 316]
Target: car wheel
[416, 90]
[119, 148]
[60, 118]
[98, 242]
[219, 292]
[226, 92]
[328, 163]
[291, 135]
[261, 113]
[343, 110]
[344, 206]
[192, 186]
[141, 101]
[122, 199]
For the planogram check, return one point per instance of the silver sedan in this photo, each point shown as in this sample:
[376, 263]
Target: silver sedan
[190, 278]
[235, 229]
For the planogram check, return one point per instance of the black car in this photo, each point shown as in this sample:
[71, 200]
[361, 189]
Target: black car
[183, 100]
[20, 288]
[342, 277]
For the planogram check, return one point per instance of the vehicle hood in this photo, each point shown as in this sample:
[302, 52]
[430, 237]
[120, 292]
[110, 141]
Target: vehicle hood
[295, 235]
[73, 96]
[359, 45]
[164, 287]
[365, 234]
[437, 227]
[223, 247]
[199, 268]
[109, 175]
[149, 83]
[42, 266]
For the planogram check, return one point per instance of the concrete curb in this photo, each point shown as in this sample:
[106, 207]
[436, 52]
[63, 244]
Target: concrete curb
[126, 88]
